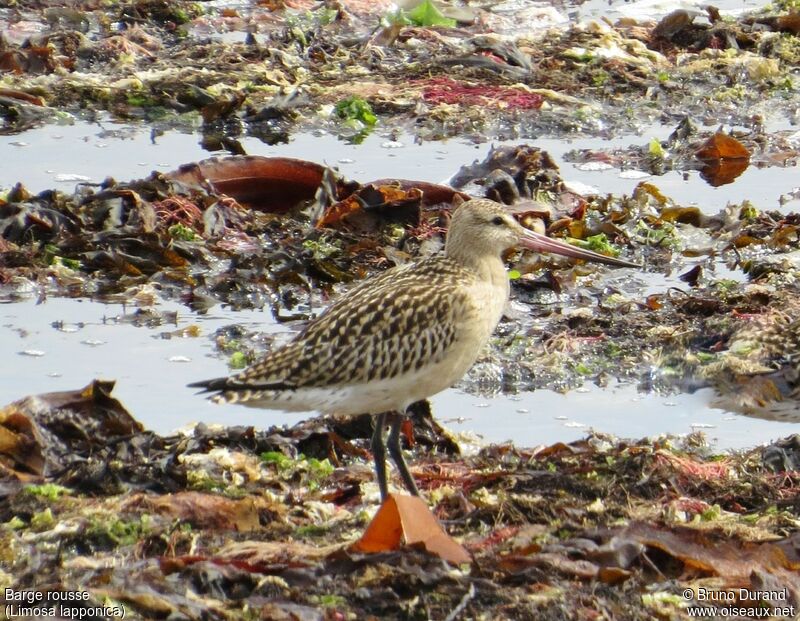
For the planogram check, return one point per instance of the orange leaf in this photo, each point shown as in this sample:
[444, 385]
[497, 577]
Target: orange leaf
[20, 445]
[372, 206]
[722, 146]
[613, 575]
[683, 215]
[746, 240]
[784, 235]
[653, 303]
[407, 519]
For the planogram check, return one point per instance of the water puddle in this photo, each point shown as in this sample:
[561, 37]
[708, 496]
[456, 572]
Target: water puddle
[544, 416]
[61, 344]
[655, 9]
[61, 156]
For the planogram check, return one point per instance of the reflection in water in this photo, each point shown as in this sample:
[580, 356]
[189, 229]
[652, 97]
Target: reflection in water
[772, 396]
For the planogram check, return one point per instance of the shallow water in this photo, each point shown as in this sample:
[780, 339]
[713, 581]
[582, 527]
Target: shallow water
[62, 344]
[655, 9]
[152, 372]
[60, 156]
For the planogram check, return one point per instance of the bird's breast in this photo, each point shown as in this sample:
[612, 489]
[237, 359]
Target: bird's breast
[489, 296]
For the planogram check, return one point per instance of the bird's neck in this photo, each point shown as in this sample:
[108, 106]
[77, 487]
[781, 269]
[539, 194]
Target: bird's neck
[487, 267]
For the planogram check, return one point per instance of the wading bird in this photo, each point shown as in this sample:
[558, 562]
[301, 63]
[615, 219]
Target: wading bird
[399, 337]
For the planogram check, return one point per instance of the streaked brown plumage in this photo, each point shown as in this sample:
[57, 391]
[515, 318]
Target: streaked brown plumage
[400, 337]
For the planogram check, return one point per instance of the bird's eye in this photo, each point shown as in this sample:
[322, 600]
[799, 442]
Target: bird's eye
[498, 220]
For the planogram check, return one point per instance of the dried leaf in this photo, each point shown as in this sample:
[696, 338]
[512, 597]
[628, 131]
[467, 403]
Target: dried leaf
[653, 302]
[407, 519]
[613, 575]
[202, 510]
[728, 558]
[432, 193]
[576, 228]
[558, 448]
[683, 215]
[651, 190]
[722, 146]
[742, 241]
[786, 234]
[20, 445]
[372, 206]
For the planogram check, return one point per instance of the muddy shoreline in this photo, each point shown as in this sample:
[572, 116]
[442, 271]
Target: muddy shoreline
[242, 523]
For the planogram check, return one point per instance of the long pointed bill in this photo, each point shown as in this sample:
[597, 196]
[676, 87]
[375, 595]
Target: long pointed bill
[542, 243]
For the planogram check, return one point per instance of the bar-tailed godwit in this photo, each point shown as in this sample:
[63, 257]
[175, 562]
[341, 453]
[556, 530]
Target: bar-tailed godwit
[399, 337]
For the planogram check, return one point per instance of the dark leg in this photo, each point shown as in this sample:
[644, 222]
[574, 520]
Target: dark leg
[396, 453]
[379, 453]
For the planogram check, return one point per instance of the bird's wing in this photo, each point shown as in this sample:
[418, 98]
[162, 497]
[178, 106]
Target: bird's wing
[388, 326]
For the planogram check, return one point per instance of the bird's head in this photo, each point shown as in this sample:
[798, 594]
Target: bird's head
[482, 227]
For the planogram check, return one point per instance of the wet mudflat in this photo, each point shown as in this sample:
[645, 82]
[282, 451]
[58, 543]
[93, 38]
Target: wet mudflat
[667, 139]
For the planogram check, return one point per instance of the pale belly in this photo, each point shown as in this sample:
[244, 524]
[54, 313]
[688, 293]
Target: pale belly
[394, 394]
